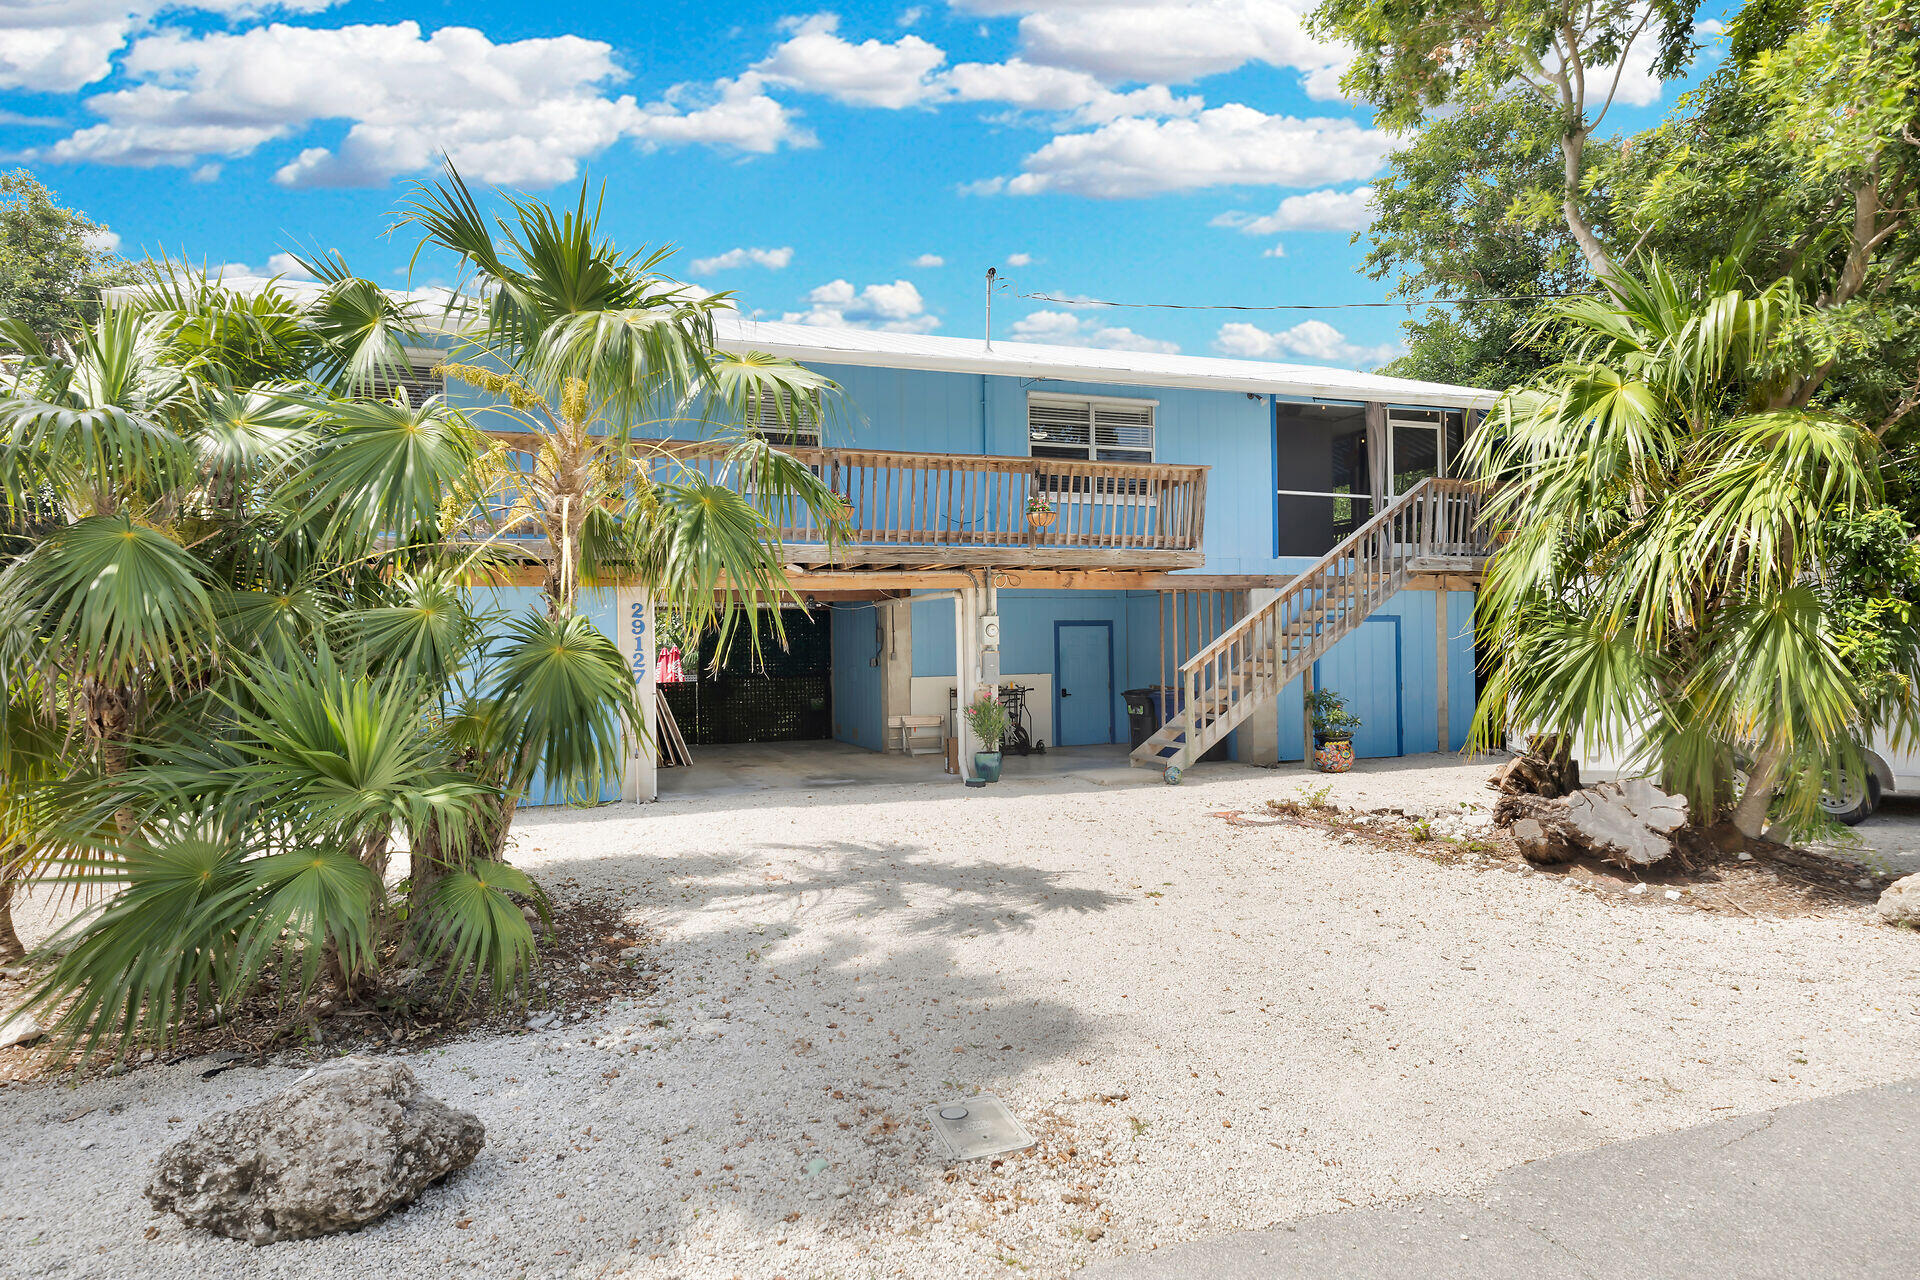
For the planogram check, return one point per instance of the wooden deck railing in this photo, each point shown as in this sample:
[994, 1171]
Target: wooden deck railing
[943, 500]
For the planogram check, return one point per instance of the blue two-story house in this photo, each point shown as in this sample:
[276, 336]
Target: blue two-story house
[1083, 522]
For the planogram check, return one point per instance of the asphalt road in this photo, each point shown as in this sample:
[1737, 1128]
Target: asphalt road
[1827, 1189]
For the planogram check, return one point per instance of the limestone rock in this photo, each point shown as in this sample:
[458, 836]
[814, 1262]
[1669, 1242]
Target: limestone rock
[331, 1153]
[1900, 902]
[19, 1029]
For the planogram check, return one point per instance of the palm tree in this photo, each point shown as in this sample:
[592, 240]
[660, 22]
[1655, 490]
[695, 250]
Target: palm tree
[1668, 584]
[244, 583]
[588, 347]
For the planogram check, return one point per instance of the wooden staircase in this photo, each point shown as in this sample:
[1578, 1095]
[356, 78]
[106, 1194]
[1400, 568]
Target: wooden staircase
[1434, 528]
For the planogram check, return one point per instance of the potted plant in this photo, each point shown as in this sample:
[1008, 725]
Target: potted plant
[1040, 512]
[988, 720]
[1333, 727]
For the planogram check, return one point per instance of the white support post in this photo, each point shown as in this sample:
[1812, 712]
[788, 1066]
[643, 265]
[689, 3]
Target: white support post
[964, 665]
[634, 620]
[1442, 713]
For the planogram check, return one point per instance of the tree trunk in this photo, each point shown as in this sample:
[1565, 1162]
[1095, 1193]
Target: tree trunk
[1572, 150]
[109, 718]
[11, 948]
[1750, 815]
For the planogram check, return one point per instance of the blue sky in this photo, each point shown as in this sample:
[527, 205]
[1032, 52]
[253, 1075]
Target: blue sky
[863, 165]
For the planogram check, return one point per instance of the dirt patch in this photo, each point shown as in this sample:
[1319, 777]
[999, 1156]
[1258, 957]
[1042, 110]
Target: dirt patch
[1709, 875]
[581, 970]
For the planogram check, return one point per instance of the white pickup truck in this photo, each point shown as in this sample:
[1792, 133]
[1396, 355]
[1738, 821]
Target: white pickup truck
[1889, 772]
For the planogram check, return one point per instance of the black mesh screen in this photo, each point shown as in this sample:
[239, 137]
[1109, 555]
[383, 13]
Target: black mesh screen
[777, 695]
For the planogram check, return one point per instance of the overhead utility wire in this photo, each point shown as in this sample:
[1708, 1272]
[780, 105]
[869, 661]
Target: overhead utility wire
[1295, 306]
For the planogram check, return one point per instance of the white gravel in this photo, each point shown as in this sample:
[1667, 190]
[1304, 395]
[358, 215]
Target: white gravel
[1228, 1027]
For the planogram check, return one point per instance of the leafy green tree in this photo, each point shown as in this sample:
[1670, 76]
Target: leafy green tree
[53, 261]
[1808, 138]
[1565, 57]
[1459, 217]
[1681, 546]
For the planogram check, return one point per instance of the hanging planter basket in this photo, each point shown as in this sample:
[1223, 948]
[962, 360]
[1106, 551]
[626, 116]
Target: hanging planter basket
[1042, 519]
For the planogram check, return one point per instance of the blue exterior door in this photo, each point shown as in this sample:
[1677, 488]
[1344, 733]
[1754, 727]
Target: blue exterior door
[1364, 668]
[1082, 683]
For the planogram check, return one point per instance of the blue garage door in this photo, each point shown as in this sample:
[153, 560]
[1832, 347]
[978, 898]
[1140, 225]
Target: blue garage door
[1364, 668]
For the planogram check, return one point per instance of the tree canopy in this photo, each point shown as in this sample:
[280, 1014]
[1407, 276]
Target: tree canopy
[53, 261]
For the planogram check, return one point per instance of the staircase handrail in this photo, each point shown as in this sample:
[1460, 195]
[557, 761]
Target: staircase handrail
[1419, 497]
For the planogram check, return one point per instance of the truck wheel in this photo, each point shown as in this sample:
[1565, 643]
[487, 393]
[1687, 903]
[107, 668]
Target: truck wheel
[1851, 802]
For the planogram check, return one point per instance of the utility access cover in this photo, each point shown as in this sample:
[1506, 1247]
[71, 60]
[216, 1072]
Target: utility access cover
[977, 1127]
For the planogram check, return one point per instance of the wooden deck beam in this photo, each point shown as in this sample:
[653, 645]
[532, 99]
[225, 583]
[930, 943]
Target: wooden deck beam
[870, 583]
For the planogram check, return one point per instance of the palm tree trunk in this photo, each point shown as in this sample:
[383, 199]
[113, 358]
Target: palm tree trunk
[11, 948]
[1750, 815]
[108, 717]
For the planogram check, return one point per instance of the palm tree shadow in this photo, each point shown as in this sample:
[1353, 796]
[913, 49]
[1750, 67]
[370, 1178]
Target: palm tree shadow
[835, 882]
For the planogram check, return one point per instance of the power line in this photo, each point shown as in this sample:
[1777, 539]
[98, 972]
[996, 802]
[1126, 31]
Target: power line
[1294, 306]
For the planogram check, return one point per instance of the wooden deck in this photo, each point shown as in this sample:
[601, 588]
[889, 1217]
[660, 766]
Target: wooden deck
[938, 510]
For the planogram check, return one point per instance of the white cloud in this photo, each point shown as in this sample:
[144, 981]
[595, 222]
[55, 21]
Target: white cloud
[1277, 251]
[1064, 329]
[1019, 259]
[1223, 146]
[897, 306]
[771, 259]
[1315, 211]
[910, 16]
[905, 72]
[61, 46]
[929, 260]
[1314, 340]
[101, 240]
[873, 73]
[731, 114]
[1170, 43]
[523, 112]
[285, 264]
[1037, 88]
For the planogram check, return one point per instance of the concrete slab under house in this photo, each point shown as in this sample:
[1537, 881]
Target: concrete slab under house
[1078, 523]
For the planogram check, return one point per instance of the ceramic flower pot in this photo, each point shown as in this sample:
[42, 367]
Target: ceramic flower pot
[1333, 755]
[986, 765]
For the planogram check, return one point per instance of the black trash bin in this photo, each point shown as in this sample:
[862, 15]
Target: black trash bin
[1148, 709]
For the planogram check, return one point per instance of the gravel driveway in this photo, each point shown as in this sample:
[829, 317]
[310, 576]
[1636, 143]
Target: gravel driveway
[1208, 1027]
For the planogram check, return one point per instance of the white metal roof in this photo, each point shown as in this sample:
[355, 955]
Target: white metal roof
[890, 350]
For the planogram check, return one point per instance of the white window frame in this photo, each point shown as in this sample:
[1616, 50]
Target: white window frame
[419, 377]
[1116, 491]
[1364, 496]
[798, 430]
